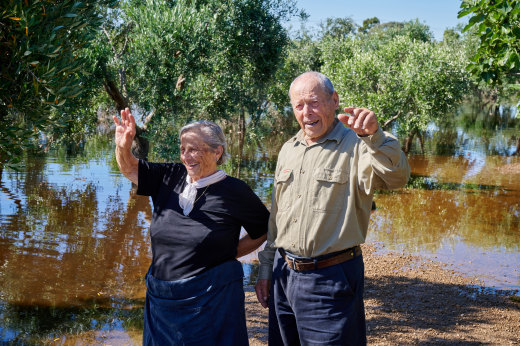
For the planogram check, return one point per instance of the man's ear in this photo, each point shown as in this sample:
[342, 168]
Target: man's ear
[335, 98]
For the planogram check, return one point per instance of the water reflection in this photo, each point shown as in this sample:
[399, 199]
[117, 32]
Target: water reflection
[74, 243]
[73, 250]
[459, 210]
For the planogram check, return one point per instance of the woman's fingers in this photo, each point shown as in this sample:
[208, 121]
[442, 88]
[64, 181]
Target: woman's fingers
[116, 120]
[127, 120]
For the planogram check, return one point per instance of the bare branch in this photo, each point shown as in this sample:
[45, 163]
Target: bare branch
[391, 119]
[109, 40]
[128, 26]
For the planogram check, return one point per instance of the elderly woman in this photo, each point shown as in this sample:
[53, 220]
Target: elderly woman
[194, 285]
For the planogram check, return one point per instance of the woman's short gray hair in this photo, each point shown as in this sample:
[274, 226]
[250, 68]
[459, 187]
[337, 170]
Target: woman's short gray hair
[212, 136]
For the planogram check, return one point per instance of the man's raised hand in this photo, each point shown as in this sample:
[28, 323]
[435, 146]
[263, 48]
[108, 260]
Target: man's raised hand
[361, 120]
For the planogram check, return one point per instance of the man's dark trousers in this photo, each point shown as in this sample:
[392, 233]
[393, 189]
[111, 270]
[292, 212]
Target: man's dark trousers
[317, 307]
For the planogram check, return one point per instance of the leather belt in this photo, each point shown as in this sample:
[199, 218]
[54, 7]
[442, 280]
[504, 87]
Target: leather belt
[312, 264]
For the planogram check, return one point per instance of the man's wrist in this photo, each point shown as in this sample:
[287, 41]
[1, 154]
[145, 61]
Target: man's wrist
[265, 272]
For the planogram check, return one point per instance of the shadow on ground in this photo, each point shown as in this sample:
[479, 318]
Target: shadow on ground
[435, 312]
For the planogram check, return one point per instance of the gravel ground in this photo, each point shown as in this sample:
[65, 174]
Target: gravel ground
[412, 300]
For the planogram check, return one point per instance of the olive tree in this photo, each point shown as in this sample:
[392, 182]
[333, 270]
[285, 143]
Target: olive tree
[40, 65]
[185, 60]
[408, 83]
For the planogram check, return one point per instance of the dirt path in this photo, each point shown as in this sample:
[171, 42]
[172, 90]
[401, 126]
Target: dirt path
[410, 300]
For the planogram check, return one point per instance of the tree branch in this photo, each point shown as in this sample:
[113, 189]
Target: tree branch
[389, 121]
[109, 40]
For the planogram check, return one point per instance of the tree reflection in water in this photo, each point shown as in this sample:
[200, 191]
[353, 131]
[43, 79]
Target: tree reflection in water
[72, 257]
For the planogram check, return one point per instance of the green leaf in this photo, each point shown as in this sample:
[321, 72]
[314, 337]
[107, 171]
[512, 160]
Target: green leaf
[70, 15]
[477, 19]
[464, 13]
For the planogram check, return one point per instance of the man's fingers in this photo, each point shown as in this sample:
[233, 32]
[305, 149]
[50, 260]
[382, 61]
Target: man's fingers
[349, 110]
[259, 295]
[262, 292]
[344, 118]
[362, 120]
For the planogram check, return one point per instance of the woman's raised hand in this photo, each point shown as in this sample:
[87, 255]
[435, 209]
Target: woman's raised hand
[125, 129]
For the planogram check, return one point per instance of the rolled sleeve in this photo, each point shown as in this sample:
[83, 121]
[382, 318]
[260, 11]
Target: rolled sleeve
[387, 160]
[266, 256]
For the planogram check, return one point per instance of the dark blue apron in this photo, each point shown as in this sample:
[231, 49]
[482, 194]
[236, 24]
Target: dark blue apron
[207, 309]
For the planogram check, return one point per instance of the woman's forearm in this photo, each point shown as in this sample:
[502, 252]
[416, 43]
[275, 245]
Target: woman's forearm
[247, 245]
[128, 164]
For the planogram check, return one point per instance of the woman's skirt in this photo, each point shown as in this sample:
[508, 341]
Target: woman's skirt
[207, 309]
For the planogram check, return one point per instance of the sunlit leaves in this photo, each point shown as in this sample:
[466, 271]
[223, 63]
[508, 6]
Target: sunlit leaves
[497, 24]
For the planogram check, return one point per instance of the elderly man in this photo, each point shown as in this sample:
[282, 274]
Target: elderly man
[311, 270]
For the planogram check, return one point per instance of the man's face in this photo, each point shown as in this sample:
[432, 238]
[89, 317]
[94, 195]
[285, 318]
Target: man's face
[313, 107]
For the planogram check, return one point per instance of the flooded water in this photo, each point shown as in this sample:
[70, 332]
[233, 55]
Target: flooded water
[463, 211]
[74, 243]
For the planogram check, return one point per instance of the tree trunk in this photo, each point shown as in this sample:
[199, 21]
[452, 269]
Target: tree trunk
[241, 135]
[408, 143]
[517, 152]
[421, 141]
[113, 92]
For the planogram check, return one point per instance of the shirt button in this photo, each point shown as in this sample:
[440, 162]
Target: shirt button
[294, 220]
[299, 196]
[302, 171]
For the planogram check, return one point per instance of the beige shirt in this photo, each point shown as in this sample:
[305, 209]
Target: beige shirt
[322, 193]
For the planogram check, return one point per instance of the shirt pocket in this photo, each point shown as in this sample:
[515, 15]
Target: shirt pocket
[284, 184]
[329, 189]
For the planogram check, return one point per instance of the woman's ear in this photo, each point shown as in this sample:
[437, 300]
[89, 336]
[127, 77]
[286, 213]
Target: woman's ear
[219, 152]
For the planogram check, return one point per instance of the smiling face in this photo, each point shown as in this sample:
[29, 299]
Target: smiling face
[199, 158]
[313, 106]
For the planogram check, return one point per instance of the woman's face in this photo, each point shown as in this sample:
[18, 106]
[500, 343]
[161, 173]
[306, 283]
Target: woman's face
[199, 158]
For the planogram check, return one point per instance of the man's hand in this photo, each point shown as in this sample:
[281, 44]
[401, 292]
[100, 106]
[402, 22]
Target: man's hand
[262, 292]
[125, 129]
[361, 120]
